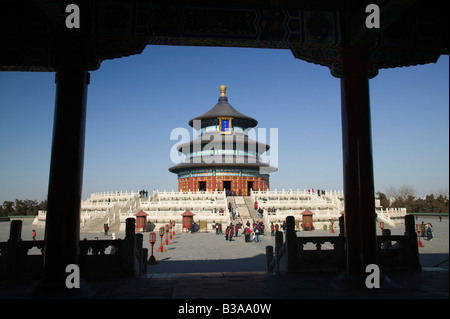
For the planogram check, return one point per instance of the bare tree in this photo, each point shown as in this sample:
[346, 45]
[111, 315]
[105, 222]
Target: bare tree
[404, 192]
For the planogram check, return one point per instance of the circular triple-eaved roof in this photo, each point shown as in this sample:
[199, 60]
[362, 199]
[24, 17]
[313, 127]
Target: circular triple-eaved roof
[224, 109]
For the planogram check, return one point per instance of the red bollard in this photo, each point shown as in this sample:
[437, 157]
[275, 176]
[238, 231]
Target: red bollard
[170, 230]
[152, 240]
[167, 235]
[173, 226]
[161, 234]
[419, 228]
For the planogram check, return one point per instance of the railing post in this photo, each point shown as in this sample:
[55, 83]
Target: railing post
[291, 242]
[139, 264]
[15, 236]
[269, 257]
[410, 232]
[278, 244]
[129, 245]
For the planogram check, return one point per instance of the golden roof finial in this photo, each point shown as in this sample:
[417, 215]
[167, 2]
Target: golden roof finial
[223, 90]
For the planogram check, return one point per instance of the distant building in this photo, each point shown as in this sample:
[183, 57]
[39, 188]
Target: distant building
[223, 156]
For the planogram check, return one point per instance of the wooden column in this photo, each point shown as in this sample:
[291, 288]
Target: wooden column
[62, 230]
[360, 226]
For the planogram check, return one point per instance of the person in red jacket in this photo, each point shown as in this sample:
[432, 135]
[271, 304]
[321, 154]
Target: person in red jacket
[231, 232]
[247, 233]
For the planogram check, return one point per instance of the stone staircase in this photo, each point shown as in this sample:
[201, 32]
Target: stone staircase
[244, 209]
[251, 208]
[132, 206]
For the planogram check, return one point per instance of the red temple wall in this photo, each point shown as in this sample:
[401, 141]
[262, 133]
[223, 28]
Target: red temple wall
[238, 183]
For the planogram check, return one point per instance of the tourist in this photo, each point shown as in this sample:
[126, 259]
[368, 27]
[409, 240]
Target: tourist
[277, 227]
[192, 228]
[256, 205]
[231, 232]
[217, 228]
[105, 229]
[429, 231]
[272, 230]
[248, 233]
[227, 232]
[256, 230]
[260, 212]
[34, 234]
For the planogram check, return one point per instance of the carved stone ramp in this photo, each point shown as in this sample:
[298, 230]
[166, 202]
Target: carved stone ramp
[244, 212]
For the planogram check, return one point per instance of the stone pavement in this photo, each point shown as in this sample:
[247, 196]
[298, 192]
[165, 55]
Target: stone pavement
[208, 252]
[205, 266]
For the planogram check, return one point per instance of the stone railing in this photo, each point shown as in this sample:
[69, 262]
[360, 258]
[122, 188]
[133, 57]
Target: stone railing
[15, 260]
[305, 254]
[399, 252]
[329, 254]
[292, 193]
[157, 194]
[110, 196]
[129, 258]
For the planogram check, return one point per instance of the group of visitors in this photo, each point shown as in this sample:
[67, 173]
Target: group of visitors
[426, 231]
[258, 209]
[318, 192]
[234, 213]
[218, 227]
[254, 232]
[100, 249]
[220, 211]
[229, 192]
[250, 232]
[143, 193]
[230, 231]
[276, 227]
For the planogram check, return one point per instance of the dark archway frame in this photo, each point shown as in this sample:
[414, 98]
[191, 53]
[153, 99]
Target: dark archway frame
[330, 33]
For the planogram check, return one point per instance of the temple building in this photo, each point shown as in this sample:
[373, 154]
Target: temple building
[223, 156]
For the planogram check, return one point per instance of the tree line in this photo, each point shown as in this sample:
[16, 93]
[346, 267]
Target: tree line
[22, 207]
[405, 197]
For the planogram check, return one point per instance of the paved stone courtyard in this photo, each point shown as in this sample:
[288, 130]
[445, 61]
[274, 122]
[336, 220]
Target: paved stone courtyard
[204, 265]
[208, 252]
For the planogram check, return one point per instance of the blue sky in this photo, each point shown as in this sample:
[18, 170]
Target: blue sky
[134, 103]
